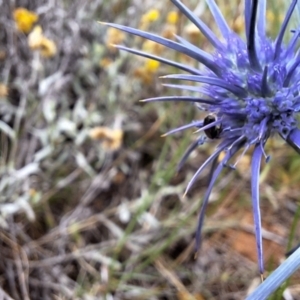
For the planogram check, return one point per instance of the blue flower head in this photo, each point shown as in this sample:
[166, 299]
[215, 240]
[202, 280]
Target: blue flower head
[252, 88]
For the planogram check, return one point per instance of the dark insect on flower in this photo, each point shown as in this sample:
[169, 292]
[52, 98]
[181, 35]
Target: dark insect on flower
[253, 86]
[213, 132]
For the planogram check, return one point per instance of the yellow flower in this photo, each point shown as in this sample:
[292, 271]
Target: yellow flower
[150, 16]
[193, 33]
[37, 41]
[238, 24]
[152, 47]
[172, 17]
[24, 19]
[3, 90]
[169, 31]
[143, 75]
[270, 16]
[114, 37]
[146, 72]
[152, 65]
[48, 48]
[105, 62]
[35, 38]
[111, 138]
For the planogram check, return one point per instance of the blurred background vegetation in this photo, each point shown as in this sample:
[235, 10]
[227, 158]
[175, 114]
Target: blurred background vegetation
[91, 204]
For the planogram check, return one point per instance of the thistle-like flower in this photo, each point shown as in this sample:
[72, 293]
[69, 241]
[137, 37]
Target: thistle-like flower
[251, 87]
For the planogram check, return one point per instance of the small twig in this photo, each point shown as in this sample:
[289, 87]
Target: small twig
[172, 278]
[4, 295]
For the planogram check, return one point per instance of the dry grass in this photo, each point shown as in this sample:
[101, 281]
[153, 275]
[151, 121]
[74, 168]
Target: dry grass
[99, 214]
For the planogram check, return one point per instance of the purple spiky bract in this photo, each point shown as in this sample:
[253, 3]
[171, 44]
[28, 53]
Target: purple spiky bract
[251, 86]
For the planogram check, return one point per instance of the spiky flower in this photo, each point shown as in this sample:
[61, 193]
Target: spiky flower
[251, 86]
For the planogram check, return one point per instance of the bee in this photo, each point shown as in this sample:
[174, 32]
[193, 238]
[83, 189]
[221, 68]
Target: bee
[212, 132]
